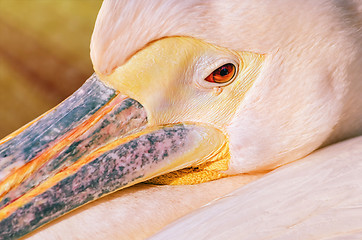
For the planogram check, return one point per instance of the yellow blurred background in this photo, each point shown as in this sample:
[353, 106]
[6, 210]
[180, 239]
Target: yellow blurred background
[44, 55]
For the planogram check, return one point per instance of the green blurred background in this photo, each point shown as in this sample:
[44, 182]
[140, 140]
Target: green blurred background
[44, 55]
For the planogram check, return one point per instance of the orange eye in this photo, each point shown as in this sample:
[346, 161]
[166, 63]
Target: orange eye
[222, 75]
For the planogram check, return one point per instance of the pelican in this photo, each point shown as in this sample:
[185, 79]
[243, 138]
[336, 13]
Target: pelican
[256, 103]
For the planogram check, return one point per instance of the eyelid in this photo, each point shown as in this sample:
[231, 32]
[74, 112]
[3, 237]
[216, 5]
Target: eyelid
[212, 65]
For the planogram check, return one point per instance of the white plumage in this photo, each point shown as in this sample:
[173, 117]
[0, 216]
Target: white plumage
[307, 96]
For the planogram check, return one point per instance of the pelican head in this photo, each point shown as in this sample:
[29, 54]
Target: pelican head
[227, 87]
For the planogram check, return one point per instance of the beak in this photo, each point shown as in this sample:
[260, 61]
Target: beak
[94, 143]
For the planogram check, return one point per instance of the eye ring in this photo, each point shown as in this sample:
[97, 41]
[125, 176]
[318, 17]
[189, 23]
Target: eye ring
[222, 74]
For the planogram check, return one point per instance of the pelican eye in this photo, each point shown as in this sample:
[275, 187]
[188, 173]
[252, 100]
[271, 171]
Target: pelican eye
[223, 74]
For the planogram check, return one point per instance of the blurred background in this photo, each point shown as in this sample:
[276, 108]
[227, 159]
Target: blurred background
[44, 55]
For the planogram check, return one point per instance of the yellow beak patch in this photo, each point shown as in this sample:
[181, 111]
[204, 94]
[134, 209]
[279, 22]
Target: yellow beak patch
[208, 171]
[168, 78]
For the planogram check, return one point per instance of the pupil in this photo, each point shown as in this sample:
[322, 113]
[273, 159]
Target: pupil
[224, 72]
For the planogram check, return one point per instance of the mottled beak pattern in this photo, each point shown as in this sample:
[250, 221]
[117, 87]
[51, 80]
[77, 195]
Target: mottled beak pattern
[94, 143]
